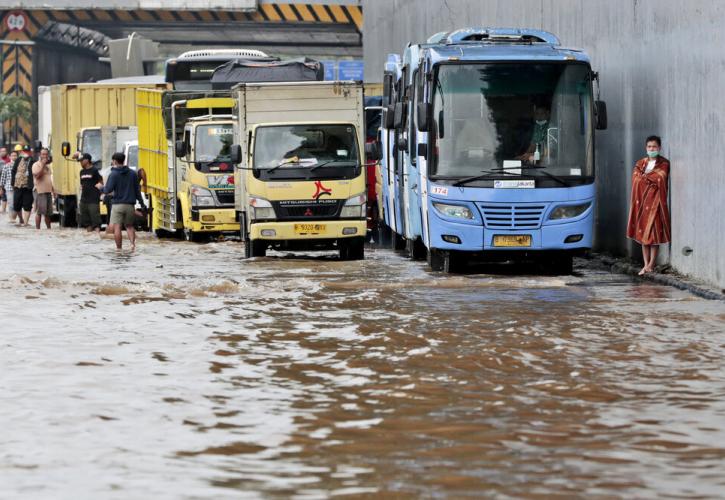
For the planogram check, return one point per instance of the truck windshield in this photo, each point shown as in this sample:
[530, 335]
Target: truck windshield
[489, 117]
[132, 158]
[306, 152]
[91, 144]
[212, 147]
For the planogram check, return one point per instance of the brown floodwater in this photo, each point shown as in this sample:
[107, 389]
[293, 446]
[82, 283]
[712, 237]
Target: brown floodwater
[184, 371]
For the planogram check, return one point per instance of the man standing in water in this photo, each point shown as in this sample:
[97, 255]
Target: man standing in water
[22, 182]
[123, 183]
[43, 180]
[91, 184]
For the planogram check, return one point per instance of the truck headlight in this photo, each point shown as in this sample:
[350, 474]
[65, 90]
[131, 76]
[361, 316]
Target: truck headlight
[456, 211]
[569, 211]
[354, 207]
[201, 197]
[261, 209]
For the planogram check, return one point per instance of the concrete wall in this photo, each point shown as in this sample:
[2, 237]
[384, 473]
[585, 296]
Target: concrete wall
[662, 70]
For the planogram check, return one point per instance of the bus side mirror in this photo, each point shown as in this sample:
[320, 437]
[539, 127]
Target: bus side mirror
[402, 142]
[398, 115]
[180, 149]
[236, 154]
[600, 111]
[423, 116]
[389, 116]
[372, 151]
[65, 149]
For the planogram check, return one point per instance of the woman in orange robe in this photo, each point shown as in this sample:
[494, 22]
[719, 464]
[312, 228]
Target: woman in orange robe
[649, 217]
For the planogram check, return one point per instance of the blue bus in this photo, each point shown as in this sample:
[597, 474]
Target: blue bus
[488, 148]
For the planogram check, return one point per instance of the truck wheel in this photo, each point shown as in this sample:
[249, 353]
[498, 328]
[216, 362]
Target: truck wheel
[255, 248]
[194, 236]
[352, 248]
[398, 242]
[443, 261]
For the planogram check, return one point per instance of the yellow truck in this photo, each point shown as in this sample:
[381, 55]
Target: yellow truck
[84, 113]
[300, 177]
[184, 146]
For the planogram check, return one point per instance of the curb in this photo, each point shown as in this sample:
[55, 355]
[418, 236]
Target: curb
[622, 266]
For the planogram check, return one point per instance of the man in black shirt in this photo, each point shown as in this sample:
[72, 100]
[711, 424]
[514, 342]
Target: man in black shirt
[91, 184]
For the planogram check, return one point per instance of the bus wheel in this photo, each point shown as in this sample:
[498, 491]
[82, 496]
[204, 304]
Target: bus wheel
[383, 236]
[416, 249]
[398, 242]
[442, 261]
[352, 248]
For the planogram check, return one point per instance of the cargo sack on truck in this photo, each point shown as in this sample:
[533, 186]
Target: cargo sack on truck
[243, 71]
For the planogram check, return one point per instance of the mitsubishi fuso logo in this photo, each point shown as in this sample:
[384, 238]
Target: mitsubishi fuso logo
[321, 190]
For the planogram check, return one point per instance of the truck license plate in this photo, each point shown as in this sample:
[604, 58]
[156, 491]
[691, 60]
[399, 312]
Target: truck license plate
[512, 240]
[310, 228]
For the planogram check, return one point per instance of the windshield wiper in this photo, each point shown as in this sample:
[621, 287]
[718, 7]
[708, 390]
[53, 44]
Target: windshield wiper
[328, 162]
[542, 168]
[486, 174]
[288, 161]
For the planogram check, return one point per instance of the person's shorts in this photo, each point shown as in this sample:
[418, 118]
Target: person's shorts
[122, 213]
[44, 204]
[90, 215]
[22, 199]
[9, 198]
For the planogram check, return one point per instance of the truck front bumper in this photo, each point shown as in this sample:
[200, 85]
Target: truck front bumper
[306, 230]
[213, 220]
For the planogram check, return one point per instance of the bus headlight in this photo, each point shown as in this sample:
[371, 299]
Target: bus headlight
[569, 211]
[261, 209]
[456, 211]
[201, 197]
[354, 207]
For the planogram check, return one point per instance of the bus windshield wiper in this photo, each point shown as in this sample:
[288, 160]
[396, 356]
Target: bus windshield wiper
[541, 168]
[486, 174]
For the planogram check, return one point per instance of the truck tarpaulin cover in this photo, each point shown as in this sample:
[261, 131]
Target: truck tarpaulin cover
[247, 71]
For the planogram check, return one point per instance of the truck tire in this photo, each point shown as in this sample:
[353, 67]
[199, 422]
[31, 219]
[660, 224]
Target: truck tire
[398, 242]
[67, 208]
[194, 236]
[352, 248]
[255, 248]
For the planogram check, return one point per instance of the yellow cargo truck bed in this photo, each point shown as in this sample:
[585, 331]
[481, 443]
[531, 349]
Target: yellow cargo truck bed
[77, 106]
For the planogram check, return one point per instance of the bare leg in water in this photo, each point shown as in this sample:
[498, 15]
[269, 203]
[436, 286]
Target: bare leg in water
[645, 257]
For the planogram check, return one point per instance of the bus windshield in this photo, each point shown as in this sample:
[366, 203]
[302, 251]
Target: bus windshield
[494, 118]
[306, 151]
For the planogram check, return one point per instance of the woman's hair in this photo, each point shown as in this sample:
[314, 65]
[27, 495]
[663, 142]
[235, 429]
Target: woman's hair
[655, 138]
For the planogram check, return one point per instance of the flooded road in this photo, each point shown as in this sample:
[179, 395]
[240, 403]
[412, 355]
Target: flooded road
[183, 371]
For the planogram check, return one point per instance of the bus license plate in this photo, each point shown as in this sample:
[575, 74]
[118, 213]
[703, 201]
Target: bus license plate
[310, 228]
[512, 240]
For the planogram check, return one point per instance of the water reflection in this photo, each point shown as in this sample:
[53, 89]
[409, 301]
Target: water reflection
[184, 371]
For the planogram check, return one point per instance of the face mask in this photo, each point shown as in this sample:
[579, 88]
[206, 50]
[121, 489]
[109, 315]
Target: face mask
[541, 122]
[653, 154]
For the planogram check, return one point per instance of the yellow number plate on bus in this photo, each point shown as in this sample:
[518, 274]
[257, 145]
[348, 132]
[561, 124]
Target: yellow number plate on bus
[512, 240]
[310, 228]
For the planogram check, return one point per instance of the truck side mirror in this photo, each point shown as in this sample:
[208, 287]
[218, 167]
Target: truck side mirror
[600, 112]
[372, 151]
[398, 115]
[389, 116]
[65, 149]
[422, 149]
[180, 149]
[423, 116]
[37, 146]
[235, 154]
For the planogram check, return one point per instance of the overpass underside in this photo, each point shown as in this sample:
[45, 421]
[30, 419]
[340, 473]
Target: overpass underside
[320, 30]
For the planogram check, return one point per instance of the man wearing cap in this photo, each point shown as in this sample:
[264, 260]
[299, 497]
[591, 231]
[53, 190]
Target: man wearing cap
[91, 184]
[22, 182]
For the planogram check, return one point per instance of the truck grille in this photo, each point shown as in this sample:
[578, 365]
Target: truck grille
[225, 196]
[306, 209]
[510, 216]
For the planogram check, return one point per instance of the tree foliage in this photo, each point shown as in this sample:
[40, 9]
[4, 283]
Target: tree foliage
[12, 106]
